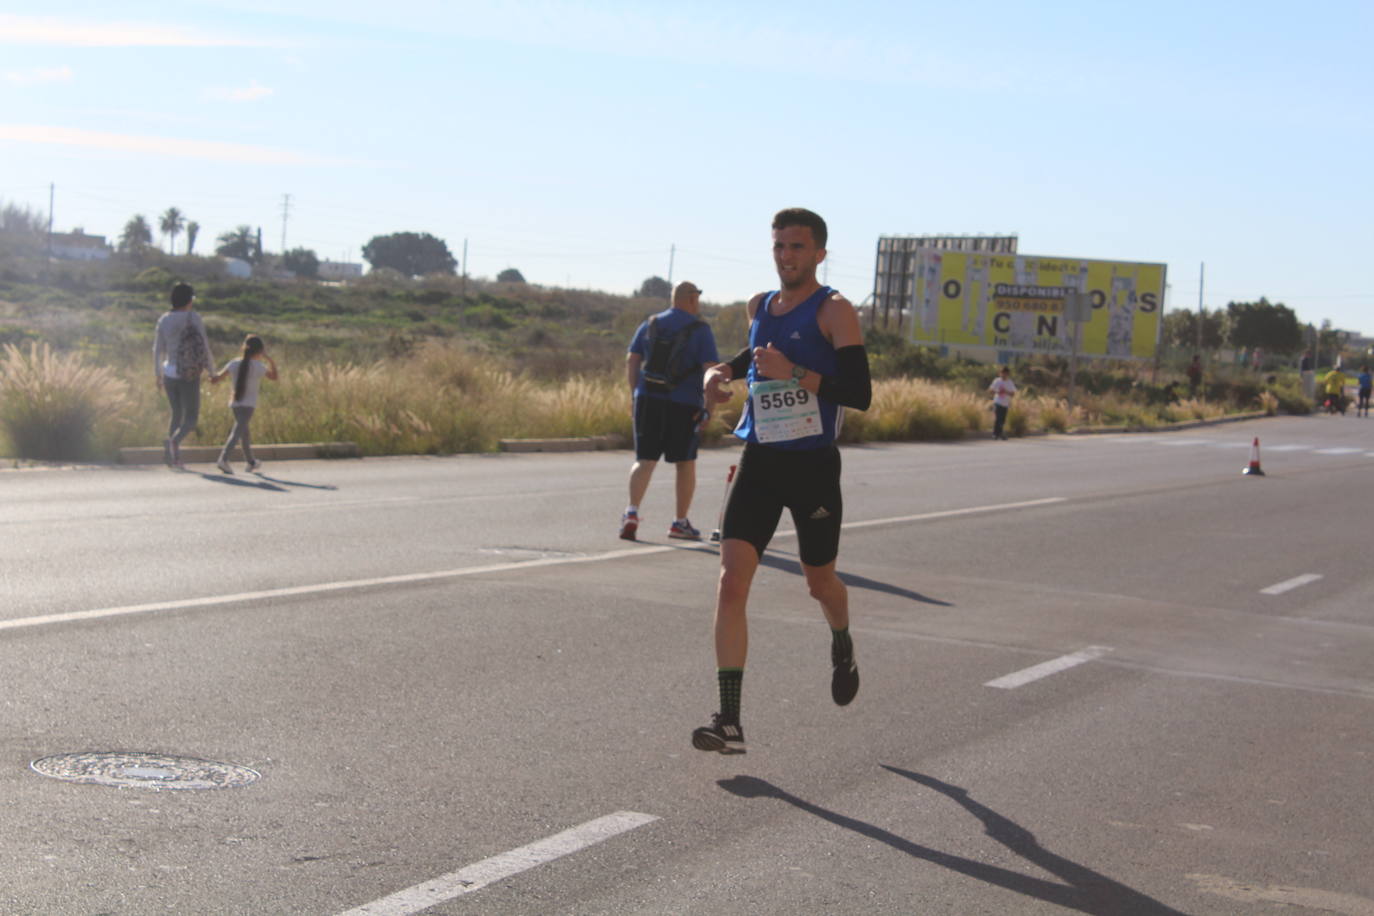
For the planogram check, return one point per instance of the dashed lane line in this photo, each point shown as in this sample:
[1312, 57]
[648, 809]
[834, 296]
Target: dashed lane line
[1045, 669]
[478, 875]
[1289, 584]
[350, 584]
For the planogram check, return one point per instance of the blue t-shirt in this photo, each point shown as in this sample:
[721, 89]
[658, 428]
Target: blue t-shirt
[799, 338]
[1364, 380]
[700, 348]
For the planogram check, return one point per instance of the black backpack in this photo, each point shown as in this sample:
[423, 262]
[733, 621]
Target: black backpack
[663, 370]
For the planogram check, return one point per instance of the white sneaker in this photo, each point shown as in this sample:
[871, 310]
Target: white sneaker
[224, 466]
[254, 467]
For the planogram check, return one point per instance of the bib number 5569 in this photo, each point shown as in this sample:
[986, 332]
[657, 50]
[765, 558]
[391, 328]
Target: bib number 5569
[779, 399]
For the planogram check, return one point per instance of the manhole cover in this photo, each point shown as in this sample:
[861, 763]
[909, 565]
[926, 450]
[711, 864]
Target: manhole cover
[144, 771]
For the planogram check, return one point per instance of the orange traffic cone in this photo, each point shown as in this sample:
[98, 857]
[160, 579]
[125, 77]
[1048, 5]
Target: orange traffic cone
[1254, 467]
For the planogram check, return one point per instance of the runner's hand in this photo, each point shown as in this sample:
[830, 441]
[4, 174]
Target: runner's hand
[771, 362]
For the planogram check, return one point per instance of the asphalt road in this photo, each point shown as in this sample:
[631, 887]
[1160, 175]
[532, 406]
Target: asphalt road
[1101, 674]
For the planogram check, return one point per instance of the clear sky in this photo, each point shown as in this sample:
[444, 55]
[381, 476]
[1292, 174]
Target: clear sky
[582, 142]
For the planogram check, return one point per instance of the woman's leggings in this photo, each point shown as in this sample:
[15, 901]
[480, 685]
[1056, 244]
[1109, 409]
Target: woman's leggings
[239, 434]
[184, 397]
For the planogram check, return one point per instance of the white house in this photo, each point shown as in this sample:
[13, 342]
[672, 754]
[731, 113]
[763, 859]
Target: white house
[78, 246]
[237, 268]
[340, 270]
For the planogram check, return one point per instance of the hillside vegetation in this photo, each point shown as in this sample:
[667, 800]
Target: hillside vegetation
[443, 364]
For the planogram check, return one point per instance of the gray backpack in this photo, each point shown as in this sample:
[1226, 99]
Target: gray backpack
[191, 356]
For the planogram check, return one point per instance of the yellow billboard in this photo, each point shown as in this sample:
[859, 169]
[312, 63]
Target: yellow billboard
[1015, 303]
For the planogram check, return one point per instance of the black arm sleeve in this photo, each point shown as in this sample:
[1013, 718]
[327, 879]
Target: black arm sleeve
[739, 363]
[850, 385]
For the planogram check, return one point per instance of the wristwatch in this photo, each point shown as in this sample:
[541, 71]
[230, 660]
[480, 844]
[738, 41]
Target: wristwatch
[799, 372]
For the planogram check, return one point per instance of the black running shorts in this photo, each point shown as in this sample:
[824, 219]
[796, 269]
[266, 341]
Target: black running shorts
[806, 482]
[665, 429]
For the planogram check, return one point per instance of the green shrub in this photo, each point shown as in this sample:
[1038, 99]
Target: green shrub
[154, 279]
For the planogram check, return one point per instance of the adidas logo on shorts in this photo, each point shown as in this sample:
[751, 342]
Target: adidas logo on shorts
[820, 514]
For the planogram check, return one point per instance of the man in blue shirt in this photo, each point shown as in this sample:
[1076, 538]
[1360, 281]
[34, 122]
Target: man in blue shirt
[664, 366]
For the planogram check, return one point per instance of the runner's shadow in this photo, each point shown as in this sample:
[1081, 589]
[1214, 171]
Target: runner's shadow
[854, 581]
[240, 482]
[1085, 890]
[296, 483]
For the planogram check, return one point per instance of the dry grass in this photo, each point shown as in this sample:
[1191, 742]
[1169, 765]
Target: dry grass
[56, 406]
[445, 398]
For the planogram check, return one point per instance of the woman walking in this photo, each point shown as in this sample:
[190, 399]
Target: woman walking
[248, 372]
[181, 352]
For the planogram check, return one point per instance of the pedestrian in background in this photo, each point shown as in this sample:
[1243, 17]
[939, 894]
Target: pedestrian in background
[1334, 383]
[181, 353]
[1002, 389]
[248, 371]
[664, 366]
[1365, 382]
[1194, 376]
[1308, 373]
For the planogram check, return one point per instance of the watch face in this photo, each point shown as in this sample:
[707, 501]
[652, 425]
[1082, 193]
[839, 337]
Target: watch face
[798, 372]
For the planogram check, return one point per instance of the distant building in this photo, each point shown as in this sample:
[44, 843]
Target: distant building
[78, 246]
[237, 268]
[340, 270]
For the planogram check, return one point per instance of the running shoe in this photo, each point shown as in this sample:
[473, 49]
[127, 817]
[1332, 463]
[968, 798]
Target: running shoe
[722, 736]
[629, 524]
[844, 680]
[224, 466]
[254, 466]
[684, 531]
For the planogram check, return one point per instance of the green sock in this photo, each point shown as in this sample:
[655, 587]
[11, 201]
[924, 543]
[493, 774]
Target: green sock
[841, 645]
[731, 682]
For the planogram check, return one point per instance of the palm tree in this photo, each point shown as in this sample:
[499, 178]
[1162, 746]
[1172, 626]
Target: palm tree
[137, 235]
[241, 244]
[192, 230]
[172, 223]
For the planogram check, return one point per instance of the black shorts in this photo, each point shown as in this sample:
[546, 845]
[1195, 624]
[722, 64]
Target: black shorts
[807, 482]
[665, 428]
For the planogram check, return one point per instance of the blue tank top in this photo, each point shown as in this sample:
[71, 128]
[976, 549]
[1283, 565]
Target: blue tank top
[799, 338]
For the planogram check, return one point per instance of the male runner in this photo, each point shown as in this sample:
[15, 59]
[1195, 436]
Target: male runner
[805, 362]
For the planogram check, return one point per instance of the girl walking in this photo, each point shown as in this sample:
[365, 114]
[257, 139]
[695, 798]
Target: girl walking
[247, 371]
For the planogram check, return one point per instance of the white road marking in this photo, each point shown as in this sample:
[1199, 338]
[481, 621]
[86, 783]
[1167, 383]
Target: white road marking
[478, 875]
[951, 513]
[212, 600]
[1045, 669]
[1289, 584]
[1337, 451]
[1286, 448]
[348, 584]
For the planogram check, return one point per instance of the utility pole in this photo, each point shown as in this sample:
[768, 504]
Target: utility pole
[465, 267]
[285, 212]
[52, 193]
[1201, 278]
[672, 253]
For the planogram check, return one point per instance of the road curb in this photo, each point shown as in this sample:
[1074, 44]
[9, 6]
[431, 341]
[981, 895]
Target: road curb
[569, 444]
[287, 451]
[1186, 424]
